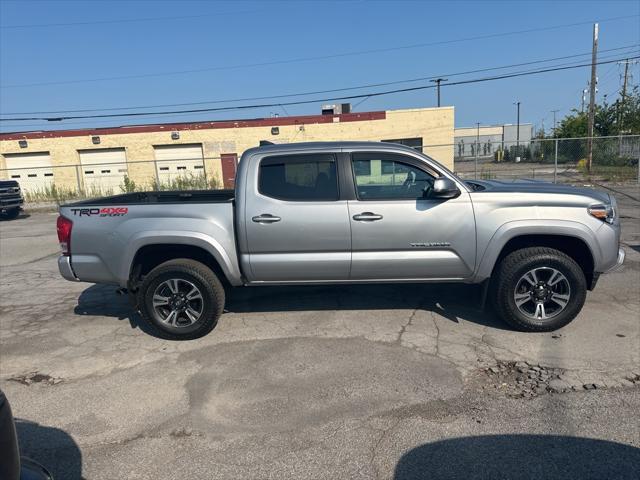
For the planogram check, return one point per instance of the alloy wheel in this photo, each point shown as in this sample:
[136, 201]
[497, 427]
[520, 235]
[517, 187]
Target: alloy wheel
[542, 293]
[177, 302]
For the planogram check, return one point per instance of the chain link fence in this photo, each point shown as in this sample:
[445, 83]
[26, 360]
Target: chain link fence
[88, 180]
[615, 159]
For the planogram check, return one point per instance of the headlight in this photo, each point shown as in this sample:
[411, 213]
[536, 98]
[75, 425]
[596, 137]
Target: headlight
[606, 213]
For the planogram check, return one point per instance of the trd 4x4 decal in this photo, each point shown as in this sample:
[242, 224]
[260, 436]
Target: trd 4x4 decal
[101, 212]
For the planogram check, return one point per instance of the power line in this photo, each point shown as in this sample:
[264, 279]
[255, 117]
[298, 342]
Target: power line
[317, 100]
[123, 20]
[313, 58]
[319, 92]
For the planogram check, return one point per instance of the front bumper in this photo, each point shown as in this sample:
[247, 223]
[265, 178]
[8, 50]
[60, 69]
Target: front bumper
[619, 261]
[10, 203]
[64, 265]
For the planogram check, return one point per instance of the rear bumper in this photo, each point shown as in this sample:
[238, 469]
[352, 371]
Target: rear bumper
[64, 265]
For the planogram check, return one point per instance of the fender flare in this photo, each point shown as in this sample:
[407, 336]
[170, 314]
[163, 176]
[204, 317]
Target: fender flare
[518, 228]
[228, 264]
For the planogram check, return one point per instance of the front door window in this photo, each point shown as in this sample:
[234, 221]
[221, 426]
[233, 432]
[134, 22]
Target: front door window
[383, 176]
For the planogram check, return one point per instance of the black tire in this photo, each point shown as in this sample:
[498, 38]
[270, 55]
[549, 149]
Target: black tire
[198, 274]
[11, 214]
[511, 270]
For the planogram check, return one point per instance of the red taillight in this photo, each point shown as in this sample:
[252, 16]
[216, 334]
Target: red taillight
[64, 234]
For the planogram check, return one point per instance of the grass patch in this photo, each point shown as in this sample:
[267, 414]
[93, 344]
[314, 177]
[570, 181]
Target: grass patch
[610, 173]
[52, 193]
[58, 195]
[486, 174]
[187, 182]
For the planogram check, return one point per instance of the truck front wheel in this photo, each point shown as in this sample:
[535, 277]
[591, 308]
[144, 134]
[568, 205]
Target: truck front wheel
[182, 299]
[11, 214]
[539, 289]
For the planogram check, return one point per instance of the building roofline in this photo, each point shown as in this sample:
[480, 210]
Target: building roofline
[221, 124]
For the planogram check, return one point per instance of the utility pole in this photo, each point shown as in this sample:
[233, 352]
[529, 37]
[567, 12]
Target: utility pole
[554, 121]
[624, 82]
[437, 82]
[592, 98]
[517, 132]
[623, 95]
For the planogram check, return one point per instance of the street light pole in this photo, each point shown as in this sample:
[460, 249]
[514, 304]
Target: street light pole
[437, 82]
[518, 131]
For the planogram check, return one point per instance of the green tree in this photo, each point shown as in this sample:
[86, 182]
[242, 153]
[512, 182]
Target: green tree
[610, 119]
[630, 112]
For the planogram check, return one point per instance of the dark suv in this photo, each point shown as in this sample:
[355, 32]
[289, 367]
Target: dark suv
[11, 199]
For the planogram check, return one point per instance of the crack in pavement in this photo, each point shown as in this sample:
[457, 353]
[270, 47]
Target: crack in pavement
[403, 328]
[374, 450]
[435, 324]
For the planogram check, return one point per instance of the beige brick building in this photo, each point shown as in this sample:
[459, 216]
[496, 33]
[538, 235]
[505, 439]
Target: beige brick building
[99, 159]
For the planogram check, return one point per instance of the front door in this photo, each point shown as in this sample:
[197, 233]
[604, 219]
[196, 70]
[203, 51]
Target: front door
[398, 230]
[297, 228]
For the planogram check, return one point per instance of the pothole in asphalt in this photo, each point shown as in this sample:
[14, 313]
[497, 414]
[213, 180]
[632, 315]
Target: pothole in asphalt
[35, 377]
[523, 380]
[527, 380]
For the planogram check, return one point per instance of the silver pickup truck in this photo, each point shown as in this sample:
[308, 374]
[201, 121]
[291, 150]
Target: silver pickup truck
[344, 212]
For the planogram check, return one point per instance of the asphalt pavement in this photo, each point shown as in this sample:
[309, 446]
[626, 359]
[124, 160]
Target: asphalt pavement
[383, 381]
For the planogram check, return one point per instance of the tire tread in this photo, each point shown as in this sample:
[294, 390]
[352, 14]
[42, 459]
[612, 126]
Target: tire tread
[506, 271]
[197, 269]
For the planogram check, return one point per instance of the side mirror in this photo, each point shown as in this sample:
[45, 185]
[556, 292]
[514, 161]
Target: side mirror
[444, 188]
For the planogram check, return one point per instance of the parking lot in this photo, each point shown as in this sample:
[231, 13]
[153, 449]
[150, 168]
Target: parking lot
[404, 381]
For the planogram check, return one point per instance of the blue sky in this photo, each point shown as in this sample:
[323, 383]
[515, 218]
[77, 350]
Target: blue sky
[219, 35]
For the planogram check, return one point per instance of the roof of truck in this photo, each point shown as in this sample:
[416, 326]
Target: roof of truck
[332, 145]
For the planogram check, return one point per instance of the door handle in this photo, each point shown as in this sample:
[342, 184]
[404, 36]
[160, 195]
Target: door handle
[266, 218]
[367, 217]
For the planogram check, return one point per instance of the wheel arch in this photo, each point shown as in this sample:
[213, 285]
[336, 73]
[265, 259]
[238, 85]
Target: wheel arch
[147, 255]
[573, 240]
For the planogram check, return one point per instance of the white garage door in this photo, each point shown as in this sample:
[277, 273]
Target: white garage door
[175, 161]
[103, 170]
[32, 170]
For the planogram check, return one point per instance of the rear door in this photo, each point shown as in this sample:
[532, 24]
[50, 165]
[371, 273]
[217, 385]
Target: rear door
[398, 231]
[297, 228]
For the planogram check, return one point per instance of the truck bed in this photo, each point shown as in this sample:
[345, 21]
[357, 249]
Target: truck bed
[140, 198]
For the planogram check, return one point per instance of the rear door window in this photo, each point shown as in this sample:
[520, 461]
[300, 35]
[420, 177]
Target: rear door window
[301, 178]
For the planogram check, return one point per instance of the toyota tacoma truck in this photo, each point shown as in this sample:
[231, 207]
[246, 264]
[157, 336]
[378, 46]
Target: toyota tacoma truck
[344, 212]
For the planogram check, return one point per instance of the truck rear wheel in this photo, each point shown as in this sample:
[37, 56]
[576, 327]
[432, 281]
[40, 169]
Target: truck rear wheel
[539, 289]
[182, 299]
